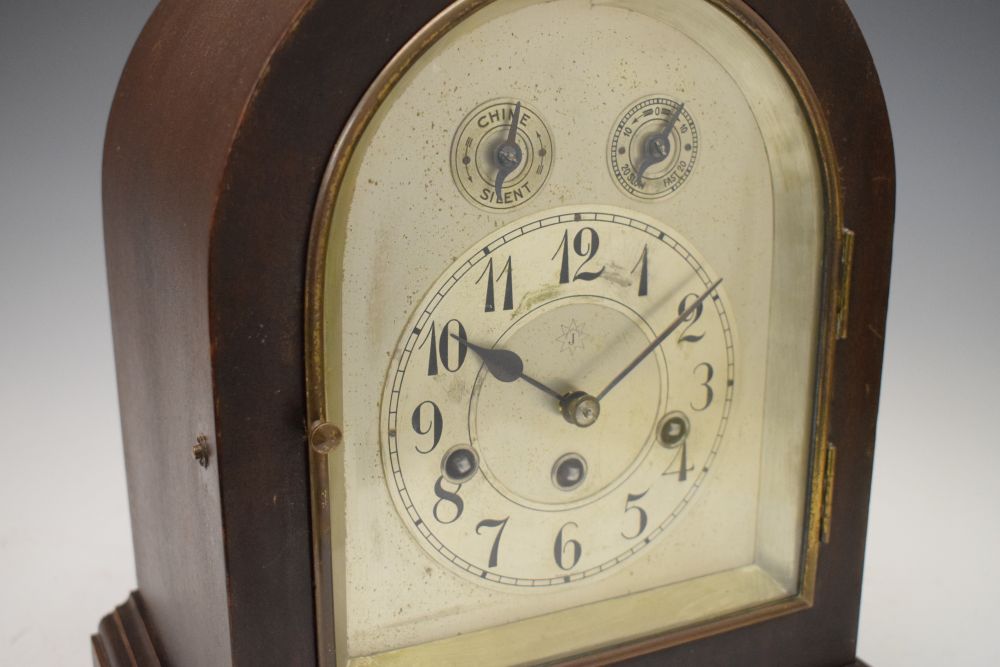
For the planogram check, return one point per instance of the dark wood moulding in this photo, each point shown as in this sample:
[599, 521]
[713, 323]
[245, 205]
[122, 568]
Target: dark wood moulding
[221, 130]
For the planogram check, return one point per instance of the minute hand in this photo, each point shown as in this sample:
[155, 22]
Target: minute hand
[659, 340]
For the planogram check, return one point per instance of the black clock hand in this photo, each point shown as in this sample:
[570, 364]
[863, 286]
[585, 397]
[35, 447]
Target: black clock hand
[506, 366]
[509, 154]
[659, 340]
[514, 121]
[657, 147]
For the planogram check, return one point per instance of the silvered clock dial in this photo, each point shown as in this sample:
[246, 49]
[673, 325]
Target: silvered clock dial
[574, 332]
[558, 398]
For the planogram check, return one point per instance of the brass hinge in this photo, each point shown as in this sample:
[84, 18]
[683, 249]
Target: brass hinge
[826, 519]
[844, 293]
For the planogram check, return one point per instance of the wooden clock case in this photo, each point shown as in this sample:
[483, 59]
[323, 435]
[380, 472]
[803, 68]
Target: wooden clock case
[221, 130]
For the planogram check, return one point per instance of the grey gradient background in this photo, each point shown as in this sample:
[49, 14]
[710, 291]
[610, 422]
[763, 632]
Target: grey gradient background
[932, 588]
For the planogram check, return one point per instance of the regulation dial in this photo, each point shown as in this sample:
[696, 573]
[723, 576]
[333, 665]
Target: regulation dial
[653, 147]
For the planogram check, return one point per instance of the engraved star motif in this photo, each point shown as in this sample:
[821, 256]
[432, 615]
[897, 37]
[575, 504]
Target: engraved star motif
[572, 338]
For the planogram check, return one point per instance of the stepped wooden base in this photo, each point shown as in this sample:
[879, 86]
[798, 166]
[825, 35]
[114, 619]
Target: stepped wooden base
[123, 639]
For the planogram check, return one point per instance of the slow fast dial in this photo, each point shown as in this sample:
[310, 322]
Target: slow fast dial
[653, 147]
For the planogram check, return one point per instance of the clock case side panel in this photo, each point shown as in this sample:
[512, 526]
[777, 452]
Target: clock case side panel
[221, 131]
[179, 106]
[259, 262]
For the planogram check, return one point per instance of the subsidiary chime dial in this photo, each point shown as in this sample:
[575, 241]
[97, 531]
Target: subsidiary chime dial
[501, 155]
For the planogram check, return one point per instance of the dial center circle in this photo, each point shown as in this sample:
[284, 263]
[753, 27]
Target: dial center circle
[576, 345]
[581, 409]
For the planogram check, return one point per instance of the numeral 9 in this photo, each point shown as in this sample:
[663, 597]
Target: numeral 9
[436, 424]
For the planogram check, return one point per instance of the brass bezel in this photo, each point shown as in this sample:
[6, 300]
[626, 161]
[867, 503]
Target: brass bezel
[318, 396]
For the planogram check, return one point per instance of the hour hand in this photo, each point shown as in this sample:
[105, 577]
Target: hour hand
[506, 366]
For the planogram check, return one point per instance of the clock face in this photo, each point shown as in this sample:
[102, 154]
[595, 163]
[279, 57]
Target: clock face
[573, 309]
[524, 444]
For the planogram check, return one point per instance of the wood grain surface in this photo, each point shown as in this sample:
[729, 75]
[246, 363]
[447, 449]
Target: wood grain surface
[221, 130]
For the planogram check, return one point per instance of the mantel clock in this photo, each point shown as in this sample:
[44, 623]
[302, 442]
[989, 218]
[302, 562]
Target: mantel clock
[497, 332]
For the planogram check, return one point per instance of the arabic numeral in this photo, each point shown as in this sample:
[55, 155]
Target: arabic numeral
[435, 424]
[585, 244]
[493, 523]
[448, 499]
[643, 264]
[692, 319]
[449, 350]
[562, 545]
[682, 464]
[643, 518]
[707, 384]
[507, 275]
